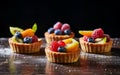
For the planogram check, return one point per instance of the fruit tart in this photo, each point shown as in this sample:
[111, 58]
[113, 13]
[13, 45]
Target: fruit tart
[95, 41]
[63, 51]
[58, 32]
[24, 41]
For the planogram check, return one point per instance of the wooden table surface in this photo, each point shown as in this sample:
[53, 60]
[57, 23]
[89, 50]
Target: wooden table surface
[37, 64]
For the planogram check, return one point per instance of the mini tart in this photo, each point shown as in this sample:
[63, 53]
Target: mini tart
[53, 37]
[25, 48]
[94, 47]
[61, 57]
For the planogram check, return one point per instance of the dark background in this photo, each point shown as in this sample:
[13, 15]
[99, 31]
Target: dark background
[80, 14]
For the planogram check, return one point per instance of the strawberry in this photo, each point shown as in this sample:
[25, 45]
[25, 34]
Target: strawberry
[54, 46]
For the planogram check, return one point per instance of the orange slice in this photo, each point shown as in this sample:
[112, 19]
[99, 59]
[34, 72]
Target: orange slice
[85, 32]
[71, 44]
[27, 32]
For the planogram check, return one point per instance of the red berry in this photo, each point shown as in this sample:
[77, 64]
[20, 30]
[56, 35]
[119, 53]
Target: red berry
[107, 36]
[61, 43]
[58, 25]
[34, 38]
[65, 27]
[54, 46]
[98, 33]
[85, 38]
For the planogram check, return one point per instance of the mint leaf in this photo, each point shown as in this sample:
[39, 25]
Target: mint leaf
[34, 27]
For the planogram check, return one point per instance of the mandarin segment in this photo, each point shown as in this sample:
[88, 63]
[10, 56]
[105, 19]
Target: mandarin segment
[67, 41]
[27, 32]
[86, 32]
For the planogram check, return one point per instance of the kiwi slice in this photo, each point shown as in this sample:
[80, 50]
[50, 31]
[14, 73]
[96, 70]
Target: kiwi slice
[34, 27]
[103, 41]
[13, 30]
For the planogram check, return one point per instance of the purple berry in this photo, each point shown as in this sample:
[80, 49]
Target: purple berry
[91, 40]
[51, 30]
[67, 32]
[18, 35]
[61, 49]
[27, 40]
[58, 32]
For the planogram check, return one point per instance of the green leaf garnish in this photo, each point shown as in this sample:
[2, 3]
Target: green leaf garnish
[34, 27]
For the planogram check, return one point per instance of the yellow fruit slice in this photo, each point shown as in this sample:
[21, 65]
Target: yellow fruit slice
[85, 32]
[27, 32]
[71, 45]
[67, 41]
[13, 30]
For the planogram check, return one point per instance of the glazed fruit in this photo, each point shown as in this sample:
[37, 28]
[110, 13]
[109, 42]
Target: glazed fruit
[67, 32]
[60, 29]
[65, 27]
[34, 39]
[102, 41]
[27, 40]
[71, 44]
[13, 30]
[67, 45]
[24, 36]
[54, 46]
[61, 43]
[58, 32]
[34, 28]
[61, 49]
[27, 32]
[98, 33]
[95, 36]
[51, 30]
[90, 40]
[18, 35]
[86, 32]
[58, 25]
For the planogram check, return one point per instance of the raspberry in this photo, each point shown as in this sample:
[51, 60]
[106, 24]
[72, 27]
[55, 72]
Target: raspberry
[85, 38]
[61, 43]
[65, 26]
[58, 25]
[54, 46]
[98, 33]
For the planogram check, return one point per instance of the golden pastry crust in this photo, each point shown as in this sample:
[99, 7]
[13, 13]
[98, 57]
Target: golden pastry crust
[53, 37]
[95, 47]
[25, 48]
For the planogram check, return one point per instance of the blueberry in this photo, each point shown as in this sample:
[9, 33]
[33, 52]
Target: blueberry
[67, 32]
[91, 40]
[58, 32]
[61, 49]
[18, 35]
[51, 30]
[27, 40]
